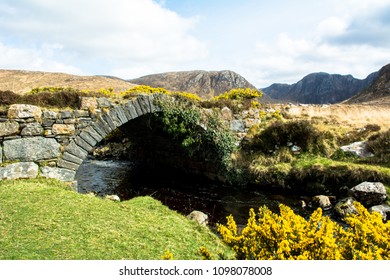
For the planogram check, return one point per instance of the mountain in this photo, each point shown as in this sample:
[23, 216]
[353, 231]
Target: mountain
[20, 81]
[378, 92]
[204, 83]
[320, 88]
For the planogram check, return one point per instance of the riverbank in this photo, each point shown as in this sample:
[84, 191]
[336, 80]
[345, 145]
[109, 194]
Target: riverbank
[43, 219]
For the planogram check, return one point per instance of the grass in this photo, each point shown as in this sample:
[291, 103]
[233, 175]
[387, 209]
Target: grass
[42, 219]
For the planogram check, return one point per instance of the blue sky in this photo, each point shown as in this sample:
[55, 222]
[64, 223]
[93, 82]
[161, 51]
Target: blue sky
[265, 41]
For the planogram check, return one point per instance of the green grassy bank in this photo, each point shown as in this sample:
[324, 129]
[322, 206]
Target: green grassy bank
[43, 219]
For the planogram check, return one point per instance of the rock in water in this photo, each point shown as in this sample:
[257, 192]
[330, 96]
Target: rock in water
[199, 217]
[345, 206]
[369, 193]
[321, 201]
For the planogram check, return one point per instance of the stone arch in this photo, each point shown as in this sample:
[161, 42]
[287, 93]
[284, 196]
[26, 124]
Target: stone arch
[75, 153]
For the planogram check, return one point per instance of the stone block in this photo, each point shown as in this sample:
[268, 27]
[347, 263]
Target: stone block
[104, 102]
[68, 165]
[65, 114]
[81, 114]
[31, 149]
[94, 134]
[143, 101]
[63, 129]
[101, 127]
[107, 119]
[83, 144]
[88, 138]
[1, 154]
[24, 111]
[61, 174]
[115, 118]
[137, 107]
[121, 114]
[20, 170]
[9, 128]
[32, 129]
[72, 158]
[88, 103]
[130, 109]
[76, 150]
[50, 115]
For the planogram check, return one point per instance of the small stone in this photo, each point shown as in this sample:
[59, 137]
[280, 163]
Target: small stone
[9, 128]
[199, 217]
[32, 129]
[345, 207]
[112, 197]
[20, 170]
[50, 115]
[88, 103]
[321, 201]
[237, 125]
[226, 114]
[65, 114]
[63, 129]
[24, 111]
[58, 173]
[103, 102]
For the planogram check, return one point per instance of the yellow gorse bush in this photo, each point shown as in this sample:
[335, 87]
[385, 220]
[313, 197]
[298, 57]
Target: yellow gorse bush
[239, 94]
[287, 236]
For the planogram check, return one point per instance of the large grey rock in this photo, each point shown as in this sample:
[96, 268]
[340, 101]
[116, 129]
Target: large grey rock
[24, 111]
[32, 129]
[345, 207]
[357, 148]
[20, 170]
[382, 209]
[61, 174]
[9, 128]
[199, 217]
[31, 149]
[369, 193]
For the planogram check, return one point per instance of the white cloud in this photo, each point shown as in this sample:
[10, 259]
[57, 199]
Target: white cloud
[117, 33]
[34, 59]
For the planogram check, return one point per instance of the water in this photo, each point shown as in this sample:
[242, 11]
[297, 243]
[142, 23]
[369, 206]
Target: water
[181, 193]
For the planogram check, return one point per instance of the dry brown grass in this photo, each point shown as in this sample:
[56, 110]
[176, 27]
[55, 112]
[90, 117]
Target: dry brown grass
[23, 81]
[354, 116]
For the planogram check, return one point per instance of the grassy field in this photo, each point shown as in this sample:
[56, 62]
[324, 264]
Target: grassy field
[42, 219]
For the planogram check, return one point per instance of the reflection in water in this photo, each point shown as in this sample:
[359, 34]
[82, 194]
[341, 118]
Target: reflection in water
[181, 193]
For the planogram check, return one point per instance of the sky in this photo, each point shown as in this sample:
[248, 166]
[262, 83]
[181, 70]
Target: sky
[265, 41]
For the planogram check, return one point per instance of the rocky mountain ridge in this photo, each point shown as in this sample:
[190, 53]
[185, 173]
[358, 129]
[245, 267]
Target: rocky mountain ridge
[320, 88]
[204, 83]
[378, 91]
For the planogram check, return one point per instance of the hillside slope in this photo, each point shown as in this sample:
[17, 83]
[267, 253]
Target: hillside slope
[378, 91]
[319, 88]
[20, 81]
[204, 83]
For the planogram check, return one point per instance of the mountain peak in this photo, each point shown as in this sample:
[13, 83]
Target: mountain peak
[204, 83]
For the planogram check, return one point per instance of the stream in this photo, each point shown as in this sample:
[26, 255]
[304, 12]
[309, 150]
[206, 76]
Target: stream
[181, 193]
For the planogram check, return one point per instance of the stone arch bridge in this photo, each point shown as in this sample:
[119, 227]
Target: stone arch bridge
[53, 144]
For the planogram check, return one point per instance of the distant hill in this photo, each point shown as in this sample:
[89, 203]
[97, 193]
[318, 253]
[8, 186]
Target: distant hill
[378, 91]
[204, 83]
[320, 88]
[20, 81]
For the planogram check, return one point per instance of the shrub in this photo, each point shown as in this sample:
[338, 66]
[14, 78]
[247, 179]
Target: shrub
[286, 235]
[379, 145]
[240, 94]
[283, 134]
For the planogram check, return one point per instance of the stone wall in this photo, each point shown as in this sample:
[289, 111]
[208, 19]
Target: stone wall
[53, 144]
